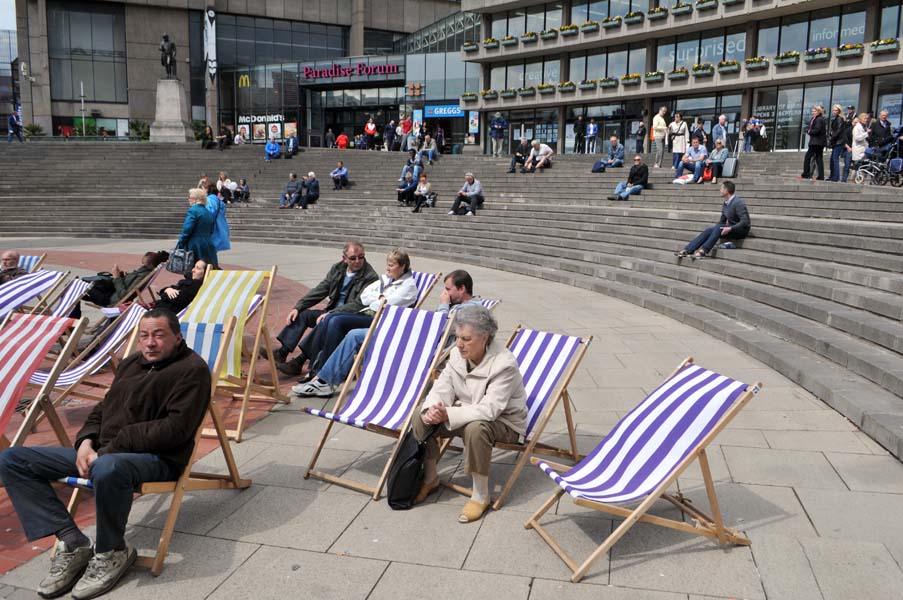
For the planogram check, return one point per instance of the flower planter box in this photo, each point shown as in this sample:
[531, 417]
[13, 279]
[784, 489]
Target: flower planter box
[567, 89]
[508, 95]
[704, 73]
[631, 81]
[549, 35]
[787, 61]
[589, 28]
[817, 57]
[707, 5]
[492, 96]
[886, 48]
[608, 83]
[729, 69]
[678, 76]
[655, 78]
[634, 20]
[468, 98]
[529, 39]
[757, 66]
[491, 45]
[850, 52]
[569, 32]
[731, 2]
[587, 86]
[546, 91]
[611, 24]
[509, 42]
[530, 92]
[471, 48]
[658, 15]
[681, 10]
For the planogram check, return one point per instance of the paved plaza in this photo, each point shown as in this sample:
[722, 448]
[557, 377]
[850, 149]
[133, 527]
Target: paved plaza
[821, 502]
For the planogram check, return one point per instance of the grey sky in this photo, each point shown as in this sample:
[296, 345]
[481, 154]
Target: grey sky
[7, 14]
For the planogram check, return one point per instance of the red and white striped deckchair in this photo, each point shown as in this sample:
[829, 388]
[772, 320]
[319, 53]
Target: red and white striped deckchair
[25, 341]
[400, 351]
[425, 283]
[646, 452]
[15, 294]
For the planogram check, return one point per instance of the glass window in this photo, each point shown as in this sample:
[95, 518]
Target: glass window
[497, 78]
[454, 75]
[617, 63]
[823, 28]
[595, 65]
[852, 25]
[415, 65]
[579, 12]
[794, 33]
[535, 18]
[598, 10]
[788, 119]
[711, 48]
[889, 96]
[499, 28]
[533, 74]
[472, 77]
[619, 7]
[636, 62]
[768, 38]
[664, 60]
[435, 76]
[687, 50]
[735, 46]
[552, 72]
[764, 106]
[515, 76]
[553, 15]
[517, 22]
[577, 68]
[370, 96]
[890, 19]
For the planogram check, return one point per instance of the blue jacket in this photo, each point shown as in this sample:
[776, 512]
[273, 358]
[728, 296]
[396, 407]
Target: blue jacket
[220, 237]
[406, 186]
[313, 187]
[337, 172]
[616, 153]
[292, 143]
[197, 234]
[719, 133]
[498, 127]
[272, 147]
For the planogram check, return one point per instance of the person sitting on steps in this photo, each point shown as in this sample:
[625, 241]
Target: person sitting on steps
[637, 179]
[339, 176]
[539, 158]
[734, 224]
[471, 193]
[405, 189]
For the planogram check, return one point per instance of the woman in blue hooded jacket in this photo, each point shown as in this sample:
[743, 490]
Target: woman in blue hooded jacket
[217, 208]
[197, 230]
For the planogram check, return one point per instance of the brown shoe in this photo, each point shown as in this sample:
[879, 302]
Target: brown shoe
[472, 511]
[425, 490]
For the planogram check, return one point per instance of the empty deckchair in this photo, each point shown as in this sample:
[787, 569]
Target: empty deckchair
[209, 340]
[227, 294]
[399, 353]
[425, 283]
[15, 294]
[25, 341]
[646, 452]
[547, 363]
[31, 263]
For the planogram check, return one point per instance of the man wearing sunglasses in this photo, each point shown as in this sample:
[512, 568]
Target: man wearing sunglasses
[341, 288]
[637, 179]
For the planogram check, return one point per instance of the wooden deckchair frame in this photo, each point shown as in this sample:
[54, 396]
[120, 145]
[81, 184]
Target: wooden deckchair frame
[251, 385]
[704, 525]
[429, 290]
[135, 291]
[376, 490]
[43, 302]
[41, 405]
[533, 446]
[190, 481]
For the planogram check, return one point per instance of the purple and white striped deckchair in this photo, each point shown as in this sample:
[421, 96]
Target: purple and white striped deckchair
[399, 353]
[71, 295]
[425, 283]
[489, 303]
[31, 262]
[646, 452]
[17, 293]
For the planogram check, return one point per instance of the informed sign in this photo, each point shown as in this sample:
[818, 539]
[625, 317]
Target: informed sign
[444, 110]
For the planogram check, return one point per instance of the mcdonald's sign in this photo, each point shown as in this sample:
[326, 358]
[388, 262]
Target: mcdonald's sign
[244, 80]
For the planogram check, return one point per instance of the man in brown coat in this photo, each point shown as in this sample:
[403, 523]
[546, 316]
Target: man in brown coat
[142, 431]
[9, 266]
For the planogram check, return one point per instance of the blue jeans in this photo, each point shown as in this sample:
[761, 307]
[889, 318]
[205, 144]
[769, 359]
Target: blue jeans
[697, 168]
[289, 202]
[329, 333]
[709, 237]
[747, 143]
[272, 155]
[18, 134]
[623, 190]
[27, 472]
[429, 154]
[675, 159]
[836, 153]
[613, 163]
[847, 160]
[415, 172]
[339, 364]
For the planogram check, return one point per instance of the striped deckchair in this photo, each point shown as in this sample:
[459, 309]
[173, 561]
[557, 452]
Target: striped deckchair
[70, 297]
[489, 304]
[547, 363]
[25, 341]
[646, 452]
[399, 353]
[31, 263]
[227, 294]
[208, 340]
[425, 283]
[15, 294]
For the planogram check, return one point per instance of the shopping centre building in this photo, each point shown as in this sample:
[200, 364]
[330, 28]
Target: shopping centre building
[284, 65]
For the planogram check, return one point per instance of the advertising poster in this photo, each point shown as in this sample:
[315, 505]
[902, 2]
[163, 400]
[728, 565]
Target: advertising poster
[417, 118]
[274, 130]
[244, 132]
[290, 129]
[260, 131]
[473, 122]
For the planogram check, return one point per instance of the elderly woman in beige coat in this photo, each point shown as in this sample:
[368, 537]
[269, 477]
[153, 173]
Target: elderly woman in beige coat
[479, 397]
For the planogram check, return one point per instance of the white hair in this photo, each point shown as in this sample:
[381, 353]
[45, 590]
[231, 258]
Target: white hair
[311, 174]
[478, 318]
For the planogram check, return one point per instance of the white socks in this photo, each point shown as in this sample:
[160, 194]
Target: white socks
[480, 488]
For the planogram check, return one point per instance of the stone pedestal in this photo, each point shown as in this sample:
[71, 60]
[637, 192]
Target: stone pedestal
[171, 124]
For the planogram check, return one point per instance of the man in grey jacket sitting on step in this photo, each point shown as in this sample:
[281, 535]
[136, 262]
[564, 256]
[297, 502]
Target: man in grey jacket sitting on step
[734, 224]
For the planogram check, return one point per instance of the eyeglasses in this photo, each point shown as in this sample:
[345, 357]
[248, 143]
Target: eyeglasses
[358, 257]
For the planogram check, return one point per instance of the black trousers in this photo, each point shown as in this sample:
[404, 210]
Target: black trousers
[406, 197]
[472, 202]
[814, 152]
[291, 334]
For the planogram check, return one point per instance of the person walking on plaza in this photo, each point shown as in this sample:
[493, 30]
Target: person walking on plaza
[719, 132]
[641, 138]
[14, 128]
[370, 134]
[498, 129]
[329, 139]
[592, 132]
[836, 128]
[679, 134]
[389, 135]
[818, 137]
[579, 135]
[637, 179]
[217, 207]
[197, 229]
[734, 224]
[660, 135]
[142, 431]
[341, 142]
[520, 154]
[471, 193]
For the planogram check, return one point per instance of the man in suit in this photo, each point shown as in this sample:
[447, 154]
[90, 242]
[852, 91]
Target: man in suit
[882, 131]
[734, 224]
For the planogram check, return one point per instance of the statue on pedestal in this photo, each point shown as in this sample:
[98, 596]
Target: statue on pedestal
[168, 56]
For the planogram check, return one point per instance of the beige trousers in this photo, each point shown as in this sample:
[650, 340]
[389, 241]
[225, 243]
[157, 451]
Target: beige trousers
[479, 438]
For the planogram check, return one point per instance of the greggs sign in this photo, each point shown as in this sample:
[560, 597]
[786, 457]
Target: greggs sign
[350, 71]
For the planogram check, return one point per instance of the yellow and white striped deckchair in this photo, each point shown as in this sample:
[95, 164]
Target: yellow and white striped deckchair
[227, 294]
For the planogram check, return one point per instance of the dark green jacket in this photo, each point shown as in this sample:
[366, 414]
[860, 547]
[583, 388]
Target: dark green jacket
[331, 287]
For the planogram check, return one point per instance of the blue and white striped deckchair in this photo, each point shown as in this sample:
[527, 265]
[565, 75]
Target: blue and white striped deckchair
[31, 263]
[20, 291]
[70, 297]
[425, 283]
[399, 353]
[646, 452]
[208, 340]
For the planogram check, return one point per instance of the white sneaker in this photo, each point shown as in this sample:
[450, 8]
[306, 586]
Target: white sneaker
[316, 388]
[451, 212]
[469, 214]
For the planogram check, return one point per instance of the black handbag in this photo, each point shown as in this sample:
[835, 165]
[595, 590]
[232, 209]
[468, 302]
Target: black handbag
[180, 261]
[406, 472]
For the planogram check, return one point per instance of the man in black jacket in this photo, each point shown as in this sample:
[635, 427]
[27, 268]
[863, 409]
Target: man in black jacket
[579, 135]
[836, 140]
[882, 131]
[520, 154]
[341, 288]
[142, 431]
[292, 191]
[637, 179]
[818, 137]
[734, 224]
